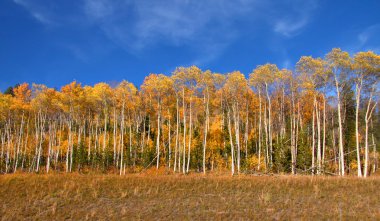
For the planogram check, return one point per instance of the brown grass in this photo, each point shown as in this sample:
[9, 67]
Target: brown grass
[167, 197]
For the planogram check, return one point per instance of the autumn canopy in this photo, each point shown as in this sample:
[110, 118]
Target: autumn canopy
[321, 118]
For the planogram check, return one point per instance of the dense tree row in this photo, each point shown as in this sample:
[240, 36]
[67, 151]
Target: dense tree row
[321, 118]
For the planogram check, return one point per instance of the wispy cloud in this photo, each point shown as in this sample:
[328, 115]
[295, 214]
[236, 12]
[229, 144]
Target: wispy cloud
[298, 16]
[208, 27]
[289, 28]
[139, 24]
[366, 40]
[98, 9]
[37, 12]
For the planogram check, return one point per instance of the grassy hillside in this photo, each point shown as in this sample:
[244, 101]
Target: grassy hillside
[150, 196]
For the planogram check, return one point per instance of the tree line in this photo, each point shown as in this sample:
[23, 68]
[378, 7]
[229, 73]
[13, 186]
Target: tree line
[320, 118]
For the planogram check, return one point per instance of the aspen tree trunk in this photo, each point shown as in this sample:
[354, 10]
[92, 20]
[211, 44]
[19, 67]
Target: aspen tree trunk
[9, 146]
[10, 138]
[319, 157]
[246, 132]
[130, 138]
[71, 150]
[79, 142]
[204, 137]
[231, 143]
[259, 163]
[36, 137]
[206, 102]
[179, 152]
[269, 126]
[49, 149]
[374, 150]
[84, 135]
[25, 155]
[176, 138]
[15, 134]
[292, 122]
[143, 135]
[53, 138]
[298, 126]
[114, 134]
[2, 149]
[135, 136]
[148, 131]
[61, 128]
[118, 148]
[184, 132]
[368, 116]
[324, 133]
[313, 143]
[104, 134]
[334, 141]
[41, 132]
[237, 134]
[68, 147]
[122, 139]
[25, 145]
[190, 137]
[90, 131]
[266, 138]
[96, 134]
[292, 133]
[54, 143]
[222, 126]
[358, 90]
[366, 157]
[283, 124]
[341, 148]
[169, 140]
[19, 142]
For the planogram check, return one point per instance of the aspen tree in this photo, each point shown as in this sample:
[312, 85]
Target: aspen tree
[339, 65]
[366, 66]
[264, 75]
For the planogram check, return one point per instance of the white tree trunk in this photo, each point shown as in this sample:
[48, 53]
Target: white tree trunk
[114, 134]
[190, 137]
[231, 143]
[324, 132]
[237, 134]
[358, 90]
[313, 143]
[176, 138]
[368, 116]
[269, 126]
[260, 122]
[341, 148]
[184, 133]
[319, 155]
[158, 135]
[206, 102]
[122, 140]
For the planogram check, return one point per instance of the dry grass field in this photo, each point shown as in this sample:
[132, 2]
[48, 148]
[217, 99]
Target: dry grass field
[179, 197]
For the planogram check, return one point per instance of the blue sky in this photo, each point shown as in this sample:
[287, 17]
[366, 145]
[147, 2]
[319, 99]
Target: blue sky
[55, 42]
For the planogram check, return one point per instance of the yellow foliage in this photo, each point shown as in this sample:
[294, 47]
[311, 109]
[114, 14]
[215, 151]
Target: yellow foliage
[253, 163]
[354, 165]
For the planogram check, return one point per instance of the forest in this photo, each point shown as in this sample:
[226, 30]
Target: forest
[321, 118]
